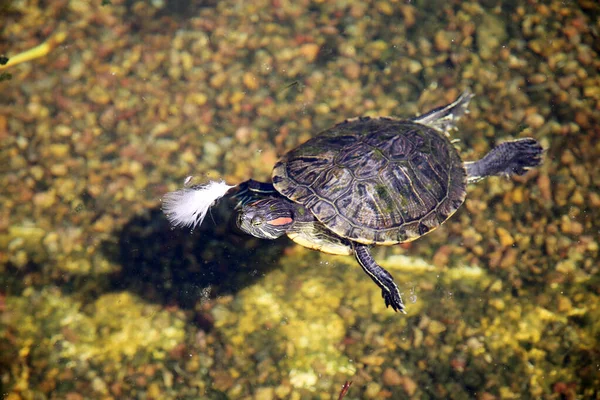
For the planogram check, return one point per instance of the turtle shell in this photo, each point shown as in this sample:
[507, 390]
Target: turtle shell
[375, 180]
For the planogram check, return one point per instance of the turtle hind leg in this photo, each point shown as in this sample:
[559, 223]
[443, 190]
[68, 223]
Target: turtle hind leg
[510, 158]
[381, 277]
[444, 118]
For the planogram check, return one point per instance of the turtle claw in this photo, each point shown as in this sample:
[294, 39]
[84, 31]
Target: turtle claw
[515, 157]
[383, 279]
[393, 299]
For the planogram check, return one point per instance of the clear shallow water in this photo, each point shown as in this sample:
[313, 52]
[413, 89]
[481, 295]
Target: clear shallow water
[100, 298]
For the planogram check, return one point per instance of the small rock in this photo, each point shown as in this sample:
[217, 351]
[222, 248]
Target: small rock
[45, 199]
[236, 97]
[577, 198]
[436, 327]
[283, 391]
[582, 120]
[391, 377]
[76, 70]
[442, 256]
[250, 81]
[409, 385]
[506, 240]
[384, 7]
[509, 259]
[569, 226]
[154, 391]
[536, 79]
[594, 199]
[537, 46]
[108, 118]
[496, 286]
[408, 12]
[486, 396]
[59, 170]
[99, 385]
[3, 128]
[474, 344]
[98, 95]
[545, 187]
[63, 130]
[498, 304]
[566, 267]
[59, 150]
[310, 51]
[442, 41]
[372, 390]
[198, 99]
[372, 360]
[535, 120]
[414, 66]
[322, 109]
[352, 70]
[418, 337]
[264, 393]
[567, 157]
[242, 134]
[68, 396]
[564, 304]
[166, 146]
[37, 172]
[160, 129]
[218, 80]
[19, 258]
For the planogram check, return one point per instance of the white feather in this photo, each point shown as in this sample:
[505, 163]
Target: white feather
[188, 206]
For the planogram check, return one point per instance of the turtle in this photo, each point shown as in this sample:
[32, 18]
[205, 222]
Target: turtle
[366, 181]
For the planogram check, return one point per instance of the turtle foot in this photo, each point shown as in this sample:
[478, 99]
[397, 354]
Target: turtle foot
[509, 158]
[392, 298]
[381, 277]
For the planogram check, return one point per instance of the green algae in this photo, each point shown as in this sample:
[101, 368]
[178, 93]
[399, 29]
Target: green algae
[114, 327]
[300, 315]
[292, 313]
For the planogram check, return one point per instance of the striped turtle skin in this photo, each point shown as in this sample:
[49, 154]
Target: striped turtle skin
[375, 180]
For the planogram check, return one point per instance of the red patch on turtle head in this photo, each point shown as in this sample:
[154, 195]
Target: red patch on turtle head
[280, 221]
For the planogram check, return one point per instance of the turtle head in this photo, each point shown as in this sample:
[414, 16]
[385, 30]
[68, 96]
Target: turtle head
[266, 218]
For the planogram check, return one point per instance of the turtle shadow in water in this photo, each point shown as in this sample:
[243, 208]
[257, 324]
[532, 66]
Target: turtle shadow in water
[179, 267]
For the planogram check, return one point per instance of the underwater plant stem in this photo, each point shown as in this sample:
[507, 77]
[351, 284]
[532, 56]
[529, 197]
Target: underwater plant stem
[38, 51]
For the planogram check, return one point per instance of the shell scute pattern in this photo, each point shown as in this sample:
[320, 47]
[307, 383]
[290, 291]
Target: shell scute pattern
[363, 160]
[332, 183]
[394, 147]
[375, 180]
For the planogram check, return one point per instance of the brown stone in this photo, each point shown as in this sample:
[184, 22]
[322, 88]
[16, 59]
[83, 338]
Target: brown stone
[391, 377]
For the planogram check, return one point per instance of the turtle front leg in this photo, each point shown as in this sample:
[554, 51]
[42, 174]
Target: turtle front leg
[380, 276]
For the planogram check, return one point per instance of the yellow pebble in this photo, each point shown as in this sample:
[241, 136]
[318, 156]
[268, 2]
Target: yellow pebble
[198, 98]
[506, 240]
[517, 195]
[310, 51]
[59, 170]
[59, 150]
[236, 97]
[250, 81]
[384, 7]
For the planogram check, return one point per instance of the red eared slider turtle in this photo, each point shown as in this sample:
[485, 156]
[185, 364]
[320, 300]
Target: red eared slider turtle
[366, 181]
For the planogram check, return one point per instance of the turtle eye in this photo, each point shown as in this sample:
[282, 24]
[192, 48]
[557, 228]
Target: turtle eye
[257, 220]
